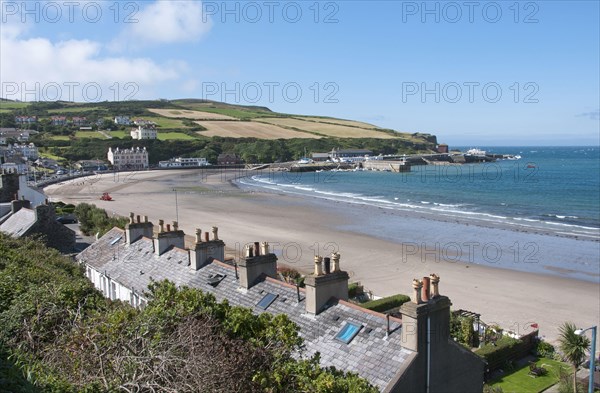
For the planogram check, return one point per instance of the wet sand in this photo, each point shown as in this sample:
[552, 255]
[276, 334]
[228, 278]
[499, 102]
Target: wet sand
[298, 227]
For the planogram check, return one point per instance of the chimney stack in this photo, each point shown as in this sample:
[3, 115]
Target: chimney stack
[253, 266]
[418, 314]
[136, 230]
[164, 240]
[205, 252]
[322, 286]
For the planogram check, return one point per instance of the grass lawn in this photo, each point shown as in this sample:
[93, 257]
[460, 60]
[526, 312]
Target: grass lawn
[76, 109]
[118, 134]
[89, 134]
[59, 137]
[165, 122]
[520, 381]
[13, 105]
[237, 113]
[172, 136]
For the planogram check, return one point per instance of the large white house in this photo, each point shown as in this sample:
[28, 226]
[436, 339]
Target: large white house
[130, 159]
[144, 133]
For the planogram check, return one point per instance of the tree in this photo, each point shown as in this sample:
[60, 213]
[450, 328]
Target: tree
[573, 347]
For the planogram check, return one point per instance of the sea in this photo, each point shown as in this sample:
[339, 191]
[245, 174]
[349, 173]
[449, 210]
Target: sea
[548, 191]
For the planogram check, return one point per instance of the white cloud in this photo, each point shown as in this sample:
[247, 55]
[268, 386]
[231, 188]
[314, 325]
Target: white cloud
[31, 70]
[164, 22]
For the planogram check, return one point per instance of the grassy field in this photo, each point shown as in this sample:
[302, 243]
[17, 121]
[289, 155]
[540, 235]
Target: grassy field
[118, 134]
[89, 134]
[75, 109]
[520, 381]
[59, 137]
[251, 129]
[331, 130]
[189, 114]
[231, 112]
[164, 122]
[13, 105]
[174, 136]
[350, 123]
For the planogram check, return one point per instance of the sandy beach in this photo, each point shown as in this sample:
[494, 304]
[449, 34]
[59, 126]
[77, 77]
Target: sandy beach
[297, 228]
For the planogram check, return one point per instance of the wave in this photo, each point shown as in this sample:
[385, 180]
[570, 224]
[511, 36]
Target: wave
[549, 222]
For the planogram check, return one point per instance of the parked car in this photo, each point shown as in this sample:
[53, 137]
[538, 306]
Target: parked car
[68, 219]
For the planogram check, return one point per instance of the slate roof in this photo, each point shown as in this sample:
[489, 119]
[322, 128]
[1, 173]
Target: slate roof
[19, 223]
[370, 353]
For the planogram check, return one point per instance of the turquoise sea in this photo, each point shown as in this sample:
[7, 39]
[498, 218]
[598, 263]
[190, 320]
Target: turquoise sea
[554, 187]
[513, 204]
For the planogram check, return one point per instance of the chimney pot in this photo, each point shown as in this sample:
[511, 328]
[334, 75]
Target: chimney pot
[417, 285]
[161, 225]
[215, 232]
[335, 259]
[318, 266]
[435, 280]
[206, 238]
[264, 248]
[256, 249]
[425, 290]
[175, 225]
[138, 219]
[168, 227]
[198, 235]
[145, 218]
[327, 263]
[131, 215]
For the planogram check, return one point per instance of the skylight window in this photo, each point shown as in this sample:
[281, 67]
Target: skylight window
[348, 332]
[266, 301]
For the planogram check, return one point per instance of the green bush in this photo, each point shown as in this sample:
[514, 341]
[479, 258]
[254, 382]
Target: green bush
[355, 289]
[506, 349]
[386, 303]
[94, 220]
[544, 349]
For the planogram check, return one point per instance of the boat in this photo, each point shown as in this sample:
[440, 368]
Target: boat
[305, 160]
[531, 165]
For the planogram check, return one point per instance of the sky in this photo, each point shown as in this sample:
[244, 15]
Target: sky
[473, 73]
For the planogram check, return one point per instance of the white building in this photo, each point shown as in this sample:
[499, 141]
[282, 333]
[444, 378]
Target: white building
[122, 120]
[144, 133]
[29, 151]
[180, 162]
[128, 159]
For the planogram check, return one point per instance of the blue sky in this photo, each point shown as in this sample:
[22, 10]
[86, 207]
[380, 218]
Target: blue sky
[473, 73]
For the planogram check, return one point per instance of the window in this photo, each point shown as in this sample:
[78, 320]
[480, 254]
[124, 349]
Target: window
[113, 292]
[348, 332]
[266, 301]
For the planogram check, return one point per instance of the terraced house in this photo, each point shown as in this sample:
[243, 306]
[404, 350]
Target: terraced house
[411, 354]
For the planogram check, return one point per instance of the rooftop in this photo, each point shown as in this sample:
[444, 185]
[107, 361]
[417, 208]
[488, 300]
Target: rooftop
[371, 353]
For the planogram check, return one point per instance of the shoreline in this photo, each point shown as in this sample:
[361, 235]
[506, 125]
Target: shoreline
[297, 227]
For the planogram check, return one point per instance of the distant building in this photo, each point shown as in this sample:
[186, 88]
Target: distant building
[58, 120]
[25, 119]
[180, 162]
[320, 157]
[349, 154]
[442, 148]
[91, 165]
[80, 121]
[144, 123]
[229, 159]
[122, 120]
[144, 133]
[29, 151]
[16, 134]
[128, 159]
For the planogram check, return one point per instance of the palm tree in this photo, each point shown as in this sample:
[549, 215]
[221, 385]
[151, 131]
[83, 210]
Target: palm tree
[573, 347]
